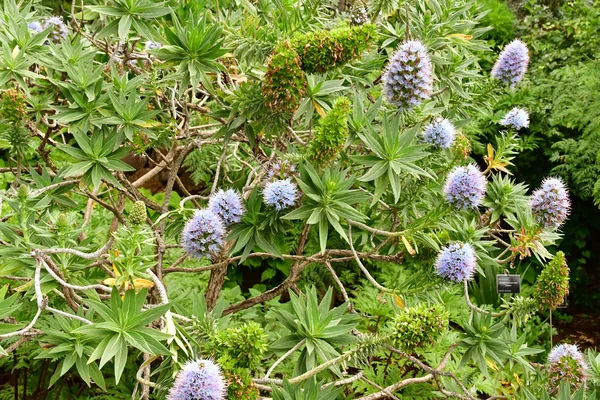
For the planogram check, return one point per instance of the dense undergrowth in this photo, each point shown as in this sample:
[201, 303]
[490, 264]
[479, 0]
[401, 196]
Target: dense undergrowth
[296, 200]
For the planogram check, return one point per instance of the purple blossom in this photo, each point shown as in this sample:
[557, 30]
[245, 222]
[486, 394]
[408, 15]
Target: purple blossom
[409, 78]
[516, 118]
[565, 350]
[465, 187]
[456, 262]
[35, 26]
[566, 364]
[359, 16]
[199, 380]
[227, 204]
[281, 169]
[280, 194]
[203, 234]
[59, 29]
[512, 63]
[550, 203]
[440, 133]
[150, 45]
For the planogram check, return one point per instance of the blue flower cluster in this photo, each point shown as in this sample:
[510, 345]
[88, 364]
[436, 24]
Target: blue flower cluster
[280, 194]
[199, 380]
[550, 203]
[150, 45]
[566, 364]
[516, 118]
[227, 204]
[440, 133]
[203, 234]
[281, 169]
[35, 26]
[565, 350]
[456, 262]
[465, 187]
[408, 79]
[59, 29]
[512, 63]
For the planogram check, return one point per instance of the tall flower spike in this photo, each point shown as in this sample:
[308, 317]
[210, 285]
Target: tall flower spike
[280, 194]
[59, 29]
[550, 203]
[199, 380]
[440, 133]
[203, 234]
[408, 79]
[566, 364]
[456, 262]
[516, 118]
[465, 187]
[227, 204]
[512, 63]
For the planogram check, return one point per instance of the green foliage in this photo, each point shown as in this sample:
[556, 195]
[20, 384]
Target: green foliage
[124, 324]
[243, 346]
[322, 51]
[553, 283]
[329, 201]
[330, 133]
[284, 82]
[96, 157]
[321, 329]
[238, 351]
[194, 49]
[501, 18]
[575, 107]
[110, 115]
[483, 341]
[505, 198]
[393, 158]
[419, 326]
[306, 391]
[126, 13]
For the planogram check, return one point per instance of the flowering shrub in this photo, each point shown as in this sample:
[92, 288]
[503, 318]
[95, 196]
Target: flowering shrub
[241, 203]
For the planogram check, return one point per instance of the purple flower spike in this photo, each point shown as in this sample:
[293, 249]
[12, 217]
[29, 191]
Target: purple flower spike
[408, 79]
[203, 234]
[440, 134]
[512, 63]
[59, 29]
[516, 118]
[456, 262]
[280, 194]
[199, 380]
[465, 187]
[550, 203]
[227, 204]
